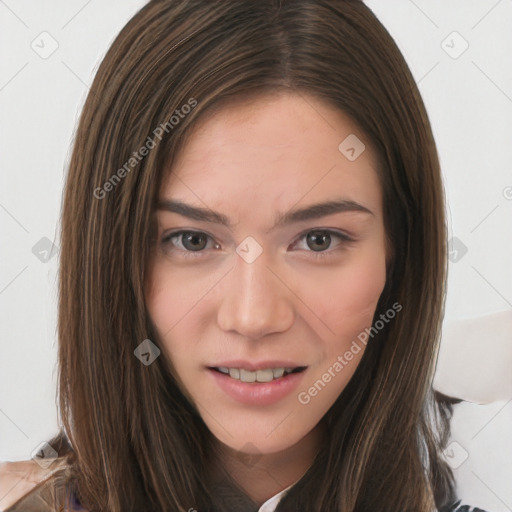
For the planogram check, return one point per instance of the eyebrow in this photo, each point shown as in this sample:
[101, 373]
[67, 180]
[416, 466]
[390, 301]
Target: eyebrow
[293, 216]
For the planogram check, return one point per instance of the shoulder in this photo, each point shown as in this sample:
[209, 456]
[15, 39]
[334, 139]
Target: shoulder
[19, 478]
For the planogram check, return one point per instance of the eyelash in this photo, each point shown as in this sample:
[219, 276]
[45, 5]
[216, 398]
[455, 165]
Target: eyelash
[320, 255]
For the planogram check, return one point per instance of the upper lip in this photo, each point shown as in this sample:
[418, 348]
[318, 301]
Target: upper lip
[255, 366]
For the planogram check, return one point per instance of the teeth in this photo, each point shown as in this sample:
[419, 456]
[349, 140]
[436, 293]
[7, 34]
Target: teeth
[266, 375]
[278, 372]
[248, 376]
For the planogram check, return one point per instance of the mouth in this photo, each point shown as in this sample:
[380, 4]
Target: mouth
[262, 375]
[257, 384]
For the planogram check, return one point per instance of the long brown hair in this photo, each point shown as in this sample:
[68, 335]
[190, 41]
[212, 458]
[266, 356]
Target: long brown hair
[135, 441]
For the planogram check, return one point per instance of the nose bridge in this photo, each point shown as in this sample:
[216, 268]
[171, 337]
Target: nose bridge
[254, 302]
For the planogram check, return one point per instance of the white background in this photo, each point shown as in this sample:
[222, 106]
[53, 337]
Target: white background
[469, 101]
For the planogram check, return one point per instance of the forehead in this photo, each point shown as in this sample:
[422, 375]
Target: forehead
[273, 152]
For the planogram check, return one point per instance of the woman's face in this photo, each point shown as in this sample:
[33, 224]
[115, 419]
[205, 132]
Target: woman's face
[257, 285]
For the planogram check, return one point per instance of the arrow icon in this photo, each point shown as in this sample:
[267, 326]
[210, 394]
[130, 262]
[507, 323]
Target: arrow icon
[44, 455]
[44, 250]
[456, 249]
[351, 147]
[249, 245]
[454, 45]
[147, 352]
[44, 44]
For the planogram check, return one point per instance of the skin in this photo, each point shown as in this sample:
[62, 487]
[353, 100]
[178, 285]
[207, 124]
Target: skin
[250, 161]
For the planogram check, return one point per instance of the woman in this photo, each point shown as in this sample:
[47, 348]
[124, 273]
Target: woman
[253, 266]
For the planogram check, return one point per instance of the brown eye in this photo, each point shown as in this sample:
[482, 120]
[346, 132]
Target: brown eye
[318, 243]
[318, 240]
[194, 241]
[187, 241]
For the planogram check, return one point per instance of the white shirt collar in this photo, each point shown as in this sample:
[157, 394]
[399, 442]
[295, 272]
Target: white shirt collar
[271, 504]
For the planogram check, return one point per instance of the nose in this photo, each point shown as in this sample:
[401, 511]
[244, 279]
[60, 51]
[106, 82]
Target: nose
[255, 301]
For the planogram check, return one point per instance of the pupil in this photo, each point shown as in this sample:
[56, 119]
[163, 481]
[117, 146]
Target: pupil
[317, 236]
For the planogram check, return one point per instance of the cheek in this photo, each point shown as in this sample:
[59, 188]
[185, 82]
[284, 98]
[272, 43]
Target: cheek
[363, 288]
[347, 300]
[172, 294]
[167, 301]
[348, 306]
[168, 310]
[179, 308]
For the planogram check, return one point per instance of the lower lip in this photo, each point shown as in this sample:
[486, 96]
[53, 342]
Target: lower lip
[257, 393]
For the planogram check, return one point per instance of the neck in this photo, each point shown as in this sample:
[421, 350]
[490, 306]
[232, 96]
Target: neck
[264, 475]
